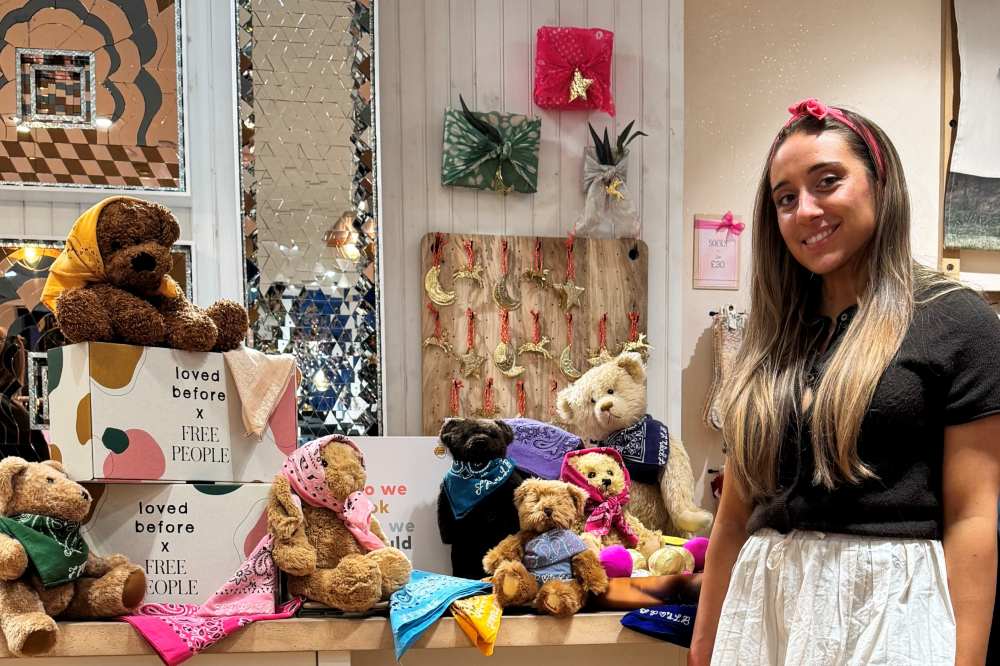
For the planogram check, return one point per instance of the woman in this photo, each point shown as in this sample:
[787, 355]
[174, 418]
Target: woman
[858, 518]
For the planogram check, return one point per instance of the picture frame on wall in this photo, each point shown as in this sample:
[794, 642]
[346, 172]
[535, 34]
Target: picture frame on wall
[716, 262]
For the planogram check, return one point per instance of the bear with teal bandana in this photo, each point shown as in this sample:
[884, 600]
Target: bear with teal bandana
[46, 568]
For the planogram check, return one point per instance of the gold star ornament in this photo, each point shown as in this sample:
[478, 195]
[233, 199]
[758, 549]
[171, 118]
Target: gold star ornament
[578, 86]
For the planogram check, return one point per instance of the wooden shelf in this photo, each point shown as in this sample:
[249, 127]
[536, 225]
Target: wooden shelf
[101, 639]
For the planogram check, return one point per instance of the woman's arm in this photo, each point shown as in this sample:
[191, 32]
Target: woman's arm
[971, 488]
[728, 537]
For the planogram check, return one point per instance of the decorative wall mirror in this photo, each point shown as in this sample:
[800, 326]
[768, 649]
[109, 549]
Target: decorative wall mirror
[307, 155]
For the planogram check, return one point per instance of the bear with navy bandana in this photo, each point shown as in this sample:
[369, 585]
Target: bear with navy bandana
[476, 503]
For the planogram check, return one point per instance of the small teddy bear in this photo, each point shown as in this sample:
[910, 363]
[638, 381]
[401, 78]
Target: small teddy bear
[112, 284]
[601, 474]
[546, 564]
[325, 537]
[609, 527]
[46, 568]
[607, 407]
[476, 503]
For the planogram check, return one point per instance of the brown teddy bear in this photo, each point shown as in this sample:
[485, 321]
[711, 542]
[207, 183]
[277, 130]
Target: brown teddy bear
[46, 569]
[325, 537]
[607, 407]
[546, 563]
[111, 284]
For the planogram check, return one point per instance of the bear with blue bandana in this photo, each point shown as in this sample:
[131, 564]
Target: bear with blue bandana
[476, 503]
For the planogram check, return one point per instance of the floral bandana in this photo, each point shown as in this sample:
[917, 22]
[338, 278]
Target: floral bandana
[605, 513]
[305, 470]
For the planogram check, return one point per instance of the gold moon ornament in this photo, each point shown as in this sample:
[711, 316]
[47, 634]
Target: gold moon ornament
[432, 285]
[566, 363]
[502, 297]
[505, 359]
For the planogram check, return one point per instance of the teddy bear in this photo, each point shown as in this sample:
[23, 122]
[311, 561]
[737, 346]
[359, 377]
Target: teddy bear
[111, 284]
[607, 407]
[46, 568]
[325, 537]
[546, 563]
[620, 539]
[476, 503]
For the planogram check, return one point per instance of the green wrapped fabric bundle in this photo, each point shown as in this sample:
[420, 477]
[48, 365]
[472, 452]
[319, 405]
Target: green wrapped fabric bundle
[490, 151]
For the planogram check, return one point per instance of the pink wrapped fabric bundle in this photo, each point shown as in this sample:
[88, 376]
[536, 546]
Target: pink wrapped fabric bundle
[573, 69]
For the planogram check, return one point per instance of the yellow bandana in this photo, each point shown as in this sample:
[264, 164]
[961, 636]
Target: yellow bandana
[479, 618]
[80, 263]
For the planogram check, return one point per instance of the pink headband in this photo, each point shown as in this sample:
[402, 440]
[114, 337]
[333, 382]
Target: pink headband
[815, 108]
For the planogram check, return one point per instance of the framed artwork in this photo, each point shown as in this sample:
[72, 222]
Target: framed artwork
[717, 251]
[91, 95]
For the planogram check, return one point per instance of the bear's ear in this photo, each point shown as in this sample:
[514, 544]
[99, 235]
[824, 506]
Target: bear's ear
[56, 465]
[452, 433]
[579, 497]
[631, 362]
[521, 493]
[9, 468]
[564, 404]
[170, 230]
[506, 431]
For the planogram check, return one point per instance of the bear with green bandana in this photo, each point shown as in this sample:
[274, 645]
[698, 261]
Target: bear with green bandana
[46, 568]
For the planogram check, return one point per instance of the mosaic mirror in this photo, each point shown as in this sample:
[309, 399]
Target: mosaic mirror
[307, 129]
[105, 114]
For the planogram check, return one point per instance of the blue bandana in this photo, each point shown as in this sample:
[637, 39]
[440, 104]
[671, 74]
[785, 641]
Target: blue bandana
[468, 484]
[422, 601]
[644, 446]
[673, 624]
[549, 556]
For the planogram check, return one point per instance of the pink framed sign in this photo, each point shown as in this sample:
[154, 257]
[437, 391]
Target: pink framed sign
[717, 251]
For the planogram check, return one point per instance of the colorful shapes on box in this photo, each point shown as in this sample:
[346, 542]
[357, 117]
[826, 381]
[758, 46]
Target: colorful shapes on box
[113, 366]
[84, 427]
[134, 455]
[216, 488]
[55, 366]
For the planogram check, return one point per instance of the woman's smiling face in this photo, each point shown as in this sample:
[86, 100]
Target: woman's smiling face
[824, 200]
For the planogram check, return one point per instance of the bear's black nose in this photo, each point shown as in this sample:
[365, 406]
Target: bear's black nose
[143, 261]
[606, 482]
[548, 512]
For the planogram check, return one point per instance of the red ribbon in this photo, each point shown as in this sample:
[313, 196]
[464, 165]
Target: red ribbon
[437, 248]
[470, 253]
[633, 326]
[602, 332]
[504, 266]
[488, 406]
[537, 256]
[456, 386]
[570, 263]
[470, 329]
[569, 329]
[536, 327]
[727, 223]
[522, 398]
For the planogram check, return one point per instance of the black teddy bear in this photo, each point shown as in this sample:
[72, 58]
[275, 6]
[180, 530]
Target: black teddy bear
[476, 505]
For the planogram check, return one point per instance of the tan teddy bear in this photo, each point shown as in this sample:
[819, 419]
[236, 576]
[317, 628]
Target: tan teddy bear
[46, 568]
[607, 407]
[601, 473]
[325, 537]
[546, 564]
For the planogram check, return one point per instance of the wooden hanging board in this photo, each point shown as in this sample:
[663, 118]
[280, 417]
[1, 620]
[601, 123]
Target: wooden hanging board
[613, 274]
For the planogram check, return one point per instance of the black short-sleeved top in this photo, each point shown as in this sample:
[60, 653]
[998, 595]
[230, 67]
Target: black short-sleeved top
[947, 372]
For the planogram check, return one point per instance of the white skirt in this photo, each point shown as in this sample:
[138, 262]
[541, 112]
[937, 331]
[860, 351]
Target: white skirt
[833, 599]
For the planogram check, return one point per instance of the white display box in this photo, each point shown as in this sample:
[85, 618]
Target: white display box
[191, 538]
[120, 412]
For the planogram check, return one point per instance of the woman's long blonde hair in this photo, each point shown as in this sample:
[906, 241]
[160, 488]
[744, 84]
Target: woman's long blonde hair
[764, 397]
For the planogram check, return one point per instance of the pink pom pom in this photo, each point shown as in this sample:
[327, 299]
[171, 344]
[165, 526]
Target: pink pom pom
[698, 546]
[616, 561]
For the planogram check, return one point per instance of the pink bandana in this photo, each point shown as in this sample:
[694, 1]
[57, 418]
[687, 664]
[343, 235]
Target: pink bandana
[606, 513]
[817, 109]
[179, 631]
[306, 473]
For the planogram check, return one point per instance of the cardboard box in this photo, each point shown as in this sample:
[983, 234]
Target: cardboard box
[192, 537]
[151, 414]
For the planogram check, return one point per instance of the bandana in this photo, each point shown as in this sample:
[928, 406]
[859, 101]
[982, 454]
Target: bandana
[605, 513]
[644, 446]
[419, 603]
[81, 264]
[479, 619]
[468, 484]
[179, 631]
[305, 472]
[55, 549]
[673, 624]
[549, 556]
[538, 448]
